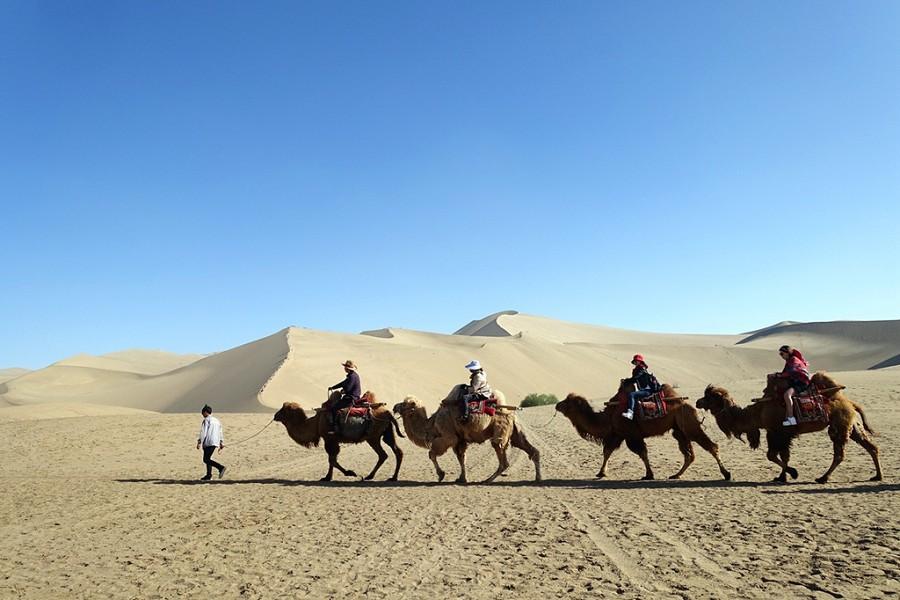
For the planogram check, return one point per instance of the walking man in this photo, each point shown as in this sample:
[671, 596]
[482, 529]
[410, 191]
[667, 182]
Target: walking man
[210, 437]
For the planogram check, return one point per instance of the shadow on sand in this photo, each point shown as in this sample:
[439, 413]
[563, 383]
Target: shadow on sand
[861, 488]
[547, 483]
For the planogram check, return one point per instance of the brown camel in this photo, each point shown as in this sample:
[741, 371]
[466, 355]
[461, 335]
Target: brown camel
[443, 430]
[768, 414]
[609, 428]
[307, 431]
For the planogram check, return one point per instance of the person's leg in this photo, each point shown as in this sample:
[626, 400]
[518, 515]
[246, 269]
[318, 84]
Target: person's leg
[207, 460]
[213, 464]
[789, 403]
[464, 407]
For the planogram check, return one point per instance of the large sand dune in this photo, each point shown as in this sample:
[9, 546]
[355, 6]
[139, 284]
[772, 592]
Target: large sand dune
[522, 354]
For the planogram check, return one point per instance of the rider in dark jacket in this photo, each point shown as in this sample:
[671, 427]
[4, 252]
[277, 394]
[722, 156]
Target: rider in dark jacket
[643, 379]
[351, 390]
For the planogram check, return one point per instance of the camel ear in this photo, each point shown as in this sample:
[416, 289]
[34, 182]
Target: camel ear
[709, 388]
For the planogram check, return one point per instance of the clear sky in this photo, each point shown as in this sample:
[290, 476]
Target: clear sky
[194, 175]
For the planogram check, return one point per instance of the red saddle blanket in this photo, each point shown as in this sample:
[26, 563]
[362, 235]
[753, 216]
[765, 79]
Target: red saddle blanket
[358, 411]
[483, 406]
[652, 407]
[811, 406]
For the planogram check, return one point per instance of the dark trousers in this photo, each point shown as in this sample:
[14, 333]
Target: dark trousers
[344, 402]
[210, 463]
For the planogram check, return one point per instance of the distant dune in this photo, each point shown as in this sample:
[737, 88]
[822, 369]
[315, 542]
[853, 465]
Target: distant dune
[11, 373]
[522, 354]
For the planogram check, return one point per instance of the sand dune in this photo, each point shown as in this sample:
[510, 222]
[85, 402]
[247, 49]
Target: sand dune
[522, 354]
[145, 362]
[12, 373]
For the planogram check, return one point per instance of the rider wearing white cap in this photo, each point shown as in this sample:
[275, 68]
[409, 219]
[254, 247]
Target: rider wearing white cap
[478, 388]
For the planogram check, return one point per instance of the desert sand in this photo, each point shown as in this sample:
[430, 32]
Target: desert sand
[99, 490]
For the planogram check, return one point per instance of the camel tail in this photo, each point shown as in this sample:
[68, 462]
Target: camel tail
[862, 415]
[753, 438]
[396, 425]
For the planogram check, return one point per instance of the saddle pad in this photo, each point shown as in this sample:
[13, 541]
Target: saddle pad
[358, 411]
[653, 407]
[486, 407]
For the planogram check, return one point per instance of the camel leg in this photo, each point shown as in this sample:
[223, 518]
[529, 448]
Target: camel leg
[687, 451]
[710, 446]
[333, 448]
[863, 440]
[460, 451]
[639, 447]
[518, 440]
[839, 441]
[391, 441]
[438, 447]
[502, 462]
[382, 456]
[780, 445]
[610, 445]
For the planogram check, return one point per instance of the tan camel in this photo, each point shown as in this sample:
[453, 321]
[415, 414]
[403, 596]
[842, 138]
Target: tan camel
[609, 429]
[841, 421]
[443, 430]
[308, 431]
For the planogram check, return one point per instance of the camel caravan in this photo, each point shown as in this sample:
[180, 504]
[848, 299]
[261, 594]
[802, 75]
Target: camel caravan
[793, 403]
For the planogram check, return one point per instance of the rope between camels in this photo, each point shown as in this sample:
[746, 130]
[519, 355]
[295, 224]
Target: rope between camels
[252, 436]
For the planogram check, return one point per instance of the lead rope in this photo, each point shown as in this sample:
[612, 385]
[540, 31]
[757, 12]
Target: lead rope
[252, 436]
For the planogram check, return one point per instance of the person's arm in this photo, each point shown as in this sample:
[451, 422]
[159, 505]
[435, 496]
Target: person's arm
[341, 385]
[221, 436]
[200, 435]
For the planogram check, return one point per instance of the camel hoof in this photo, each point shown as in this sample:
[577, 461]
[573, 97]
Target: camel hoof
[600, 475]
[780, 479]
[875, 478]
[368, 478]
[647, 477]
[793, 472]
[326, 478]
[821, 480]
[676, 476]
[441, 476]
[351, 474]
[392, 478]
[461, 481]
[727, 475]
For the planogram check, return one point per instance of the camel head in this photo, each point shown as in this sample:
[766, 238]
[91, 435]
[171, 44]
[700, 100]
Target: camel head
[715, 399]
[409, 404]
[289, 412]
[573, 404]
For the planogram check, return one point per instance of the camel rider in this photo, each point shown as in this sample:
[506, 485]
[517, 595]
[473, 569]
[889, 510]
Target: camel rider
[796, 371]
[643, 380]
[478, 388]
[351, 390]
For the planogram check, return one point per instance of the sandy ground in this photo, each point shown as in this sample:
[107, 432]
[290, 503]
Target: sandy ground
[110, 506]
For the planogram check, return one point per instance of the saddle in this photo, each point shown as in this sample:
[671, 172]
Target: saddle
[810, 406]
[483, 406]
[652, 407]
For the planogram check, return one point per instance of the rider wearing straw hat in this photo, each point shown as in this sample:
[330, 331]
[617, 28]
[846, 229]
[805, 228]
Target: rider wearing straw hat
[351, 390]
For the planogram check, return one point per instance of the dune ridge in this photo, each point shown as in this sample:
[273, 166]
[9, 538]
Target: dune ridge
[522, 354]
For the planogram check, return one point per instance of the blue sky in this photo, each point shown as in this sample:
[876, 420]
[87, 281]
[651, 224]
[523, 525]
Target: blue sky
[191, 176]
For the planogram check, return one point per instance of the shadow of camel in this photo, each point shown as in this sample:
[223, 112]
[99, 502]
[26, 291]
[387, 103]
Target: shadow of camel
[547, 483]
[865, 488]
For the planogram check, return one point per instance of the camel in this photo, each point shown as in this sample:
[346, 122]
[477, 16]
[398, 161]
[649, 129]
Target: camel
[768, 414]
[609, 429]
[308, 431]
[443, 430]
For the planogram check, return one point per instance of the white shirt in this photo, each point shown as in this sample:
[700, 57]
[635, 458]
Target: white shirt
[210, 432]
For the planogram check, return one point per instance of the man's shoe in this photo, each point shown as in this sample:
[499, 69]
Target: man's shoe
[221, 472]
[789, 422]
[628, 414]
[206, 478]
